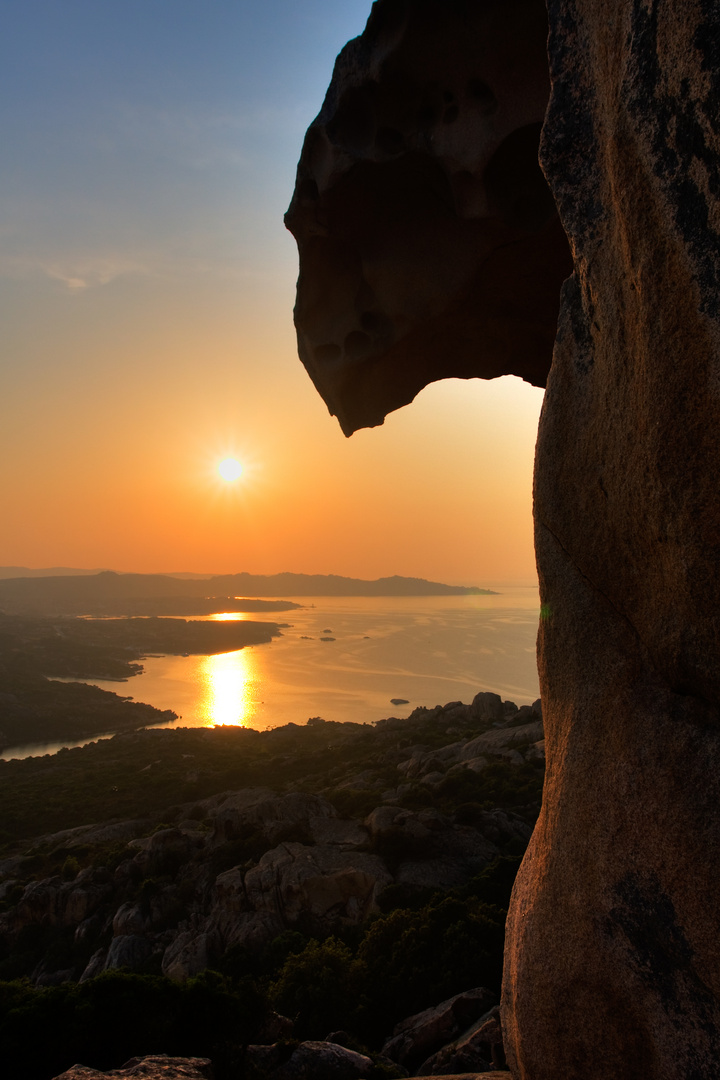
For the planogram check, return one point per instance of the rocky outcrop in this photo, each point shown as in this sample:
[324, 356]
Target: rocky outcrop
[238, 869]
[429, 242]
[612, 966]
[318, 884]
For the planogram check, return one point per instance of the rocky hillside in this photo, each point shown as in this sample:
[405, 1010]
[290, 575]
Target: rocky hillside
[343, 875]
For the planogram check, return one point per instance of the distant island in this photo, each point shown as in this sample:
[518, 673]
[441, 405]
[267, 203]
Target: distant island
[111, 593]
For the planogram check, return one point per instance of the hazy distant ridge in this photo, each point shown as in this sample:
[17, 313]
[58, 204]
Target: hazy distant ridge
[48, 571]
[109, 584]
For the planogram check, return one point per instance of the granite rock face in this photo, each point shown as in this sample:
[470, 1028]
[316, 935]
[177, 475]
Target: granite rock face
[413, 268]
[429, 242]
[627, 534]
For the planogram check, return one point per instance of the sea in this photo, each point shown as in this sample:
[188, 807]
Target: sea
[346, 658]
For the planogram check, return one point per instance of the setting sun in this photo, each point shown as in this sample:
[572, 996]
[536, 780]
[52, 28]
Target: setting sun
[230, 469]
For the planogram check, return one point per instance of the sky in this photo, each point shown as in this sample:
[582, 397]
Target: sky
[147, 155]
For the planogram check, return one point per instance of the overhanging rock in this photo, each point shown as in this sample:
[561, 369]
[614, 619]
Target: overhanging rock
[429, 242]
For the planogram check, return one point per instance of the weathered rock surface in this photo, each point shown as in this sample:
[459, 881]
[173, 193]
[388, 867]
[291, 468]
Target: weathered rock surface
[429, 242]
[154, 1067]
[612, 963]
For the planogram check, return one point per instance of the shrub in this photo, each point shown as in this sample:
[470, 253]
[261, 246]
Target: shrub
[316, 988]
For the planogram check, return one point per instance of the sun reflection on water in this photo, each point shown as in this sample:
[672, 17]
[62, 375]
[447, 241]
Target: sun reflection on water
[230, 681]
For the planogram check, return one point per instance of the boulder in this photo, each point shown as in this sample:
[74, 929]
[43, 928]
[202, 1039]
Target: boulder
[477, 1049]
[80, 901]
[94, 966]
[164, 851]
[128, 951]
[188, 954]
[154, 1067]
[475, 764]
[274, 816]
[338, 832]
[130, 918]
[497, 740]
[486, 706]
[419, 1036]
[39, 903]
[322, 884]
[307, 1061]
[426, 849]
[106, 832]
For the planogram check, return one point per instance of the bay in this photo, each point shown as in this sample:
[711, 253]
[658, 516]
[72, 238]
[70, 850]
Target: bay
[424, 650]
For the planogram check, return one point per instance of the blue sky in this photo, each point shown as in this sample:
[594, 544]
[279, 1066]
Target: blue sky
[130, 127]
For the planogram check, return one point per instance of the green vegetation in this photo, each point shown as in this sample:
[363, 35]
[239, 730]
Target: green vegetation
[139, 774]
[425, 944]
[405, 961]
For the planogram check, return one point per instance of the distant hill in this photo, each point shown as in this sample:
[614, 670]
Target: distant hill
[73, 594]
[49, 571]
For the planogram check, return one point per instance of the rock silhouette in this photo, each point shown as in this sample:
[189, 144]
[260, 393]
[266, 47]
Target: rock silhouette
[430, 248]
[429, 242]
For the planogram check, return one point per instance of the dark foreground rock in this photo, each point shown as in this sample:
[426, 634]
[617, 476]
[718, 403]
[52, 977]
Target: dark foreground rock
[307, 1061]
[154, 1067]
